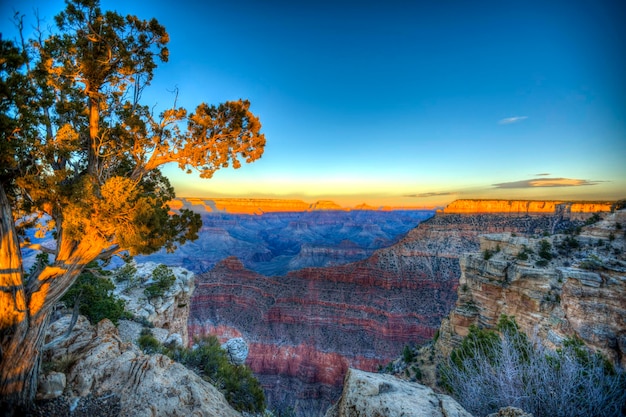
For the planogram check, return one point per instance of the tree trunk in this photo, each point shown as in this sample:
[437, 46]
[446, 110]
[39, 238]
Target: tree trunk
[25, 307]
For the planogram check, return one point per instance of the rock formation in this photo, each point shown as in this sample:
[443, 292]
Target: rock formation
[569, 209]
[95, 362]
[307, 328]
[169, 312]
[237, 350]
[373, 395]
[577, 288]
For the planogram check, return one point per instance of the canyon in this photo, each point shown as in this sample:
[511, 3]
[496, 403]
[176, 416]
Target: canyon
[307, 327]
[273, 237]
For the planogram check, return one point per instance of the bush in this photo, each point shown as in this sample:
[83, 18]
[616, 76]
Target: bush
[407, 354]
[491, 370]
[163, 278]
[239, 386]
[545, 250]
[94, 294]
[487, 254]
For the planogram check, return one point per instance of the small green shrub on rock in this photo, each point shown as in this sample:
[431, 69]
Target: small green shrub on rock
[93, 290]
[163, 278]
[241, 389]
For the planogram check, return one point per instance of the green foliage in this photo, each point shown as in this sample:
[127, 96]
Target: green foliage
[542, 263]
[523, 255]
[127, 274]
[593, 219]
[592, 263]
[436, 337]
[239, 386]
[94, 293]
[487, 254]
[163, 278]
[407, 354]
[545, 250]
[148, 343]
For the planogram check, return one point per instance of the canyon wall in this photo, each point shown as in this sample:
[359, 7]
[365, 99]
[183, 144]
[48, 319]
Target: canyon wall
[569, 209]
[267, 205]
[307, 328]
[580, 292]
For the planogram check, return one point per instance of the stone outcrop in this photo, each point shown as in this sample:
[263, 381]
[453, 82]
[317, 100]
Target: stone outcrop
[97, 363]
[373, 395]
[579, 292]
[526, 207]
[237, 350]
[169, 312]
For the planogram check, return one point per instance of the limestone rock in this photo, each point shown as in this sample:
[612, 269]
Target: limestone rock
[579, 292]
[147, 385]
[237, 350]
[371, 395]
[169, 312]
[51, 386]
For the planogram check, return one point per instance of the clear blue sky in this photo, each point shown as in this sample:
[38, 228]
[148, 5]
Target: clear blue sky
[399, 102]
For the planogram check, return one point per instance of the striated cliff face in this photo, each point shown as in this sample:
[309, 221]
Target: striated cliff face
[580, 291]
[522, 207]
[307, 328]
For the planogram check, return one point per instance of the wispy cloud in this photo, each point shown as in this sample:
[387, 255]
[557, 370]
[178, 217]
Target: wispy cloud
[424, 195]
[514, 119]
[542, 175]
[546, 182]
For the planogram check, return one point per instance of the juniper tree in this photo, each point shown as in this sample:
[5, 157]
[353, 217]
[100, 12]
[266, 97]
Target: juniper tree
[80, 157]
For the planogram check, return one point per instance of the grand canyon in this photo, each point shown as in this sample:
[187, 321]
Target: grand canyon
[307, 325]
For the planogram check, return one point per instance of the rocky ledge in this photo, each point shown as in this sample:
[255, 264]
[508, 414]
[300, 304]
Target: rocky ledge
[556, 287]
[93, 365]
[372, 395]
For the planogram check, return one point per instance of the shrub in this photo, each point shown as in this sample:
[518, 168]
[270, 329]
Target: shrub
[407, 354]
[544, 249]
[239, 386]
[163, 278]
[487, 254]
[94, 294]
[491, 370]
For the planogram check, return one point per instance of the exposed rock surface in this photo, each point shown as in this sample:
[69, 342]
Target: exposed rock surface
[373, 395]
[97, 363]
[510, 412]
[580, 292]
[169, 313]
[523, 207]
[307, 328]
[237, 350]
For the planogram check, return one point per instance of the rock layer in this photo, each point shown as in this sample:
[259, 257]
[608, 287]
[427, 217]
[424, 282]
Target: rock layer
[580, 292]
[306, 328]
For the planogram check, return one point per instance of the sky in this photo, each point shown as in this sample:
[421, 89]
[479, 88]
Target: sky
[405, 103]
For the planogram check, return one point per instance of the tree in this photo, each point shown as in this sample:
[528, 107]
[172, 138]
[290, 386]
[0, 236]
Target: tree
[80, 158]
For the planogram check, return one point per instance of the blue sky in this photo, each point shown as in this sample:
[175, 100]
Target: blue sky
[405, 103]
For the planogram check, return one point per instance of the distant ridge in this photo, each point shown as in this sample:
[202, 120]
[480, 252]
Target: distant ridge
[268, 205]
[518, 207]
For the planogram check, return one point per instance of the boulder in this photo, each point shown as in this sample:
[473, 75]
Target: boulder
[367, 394]
[237, 350]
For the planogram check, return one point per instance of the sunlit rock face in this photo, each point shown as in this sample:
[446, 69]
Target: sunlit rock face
[581, 292]
[521, 207]
[305, 329]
